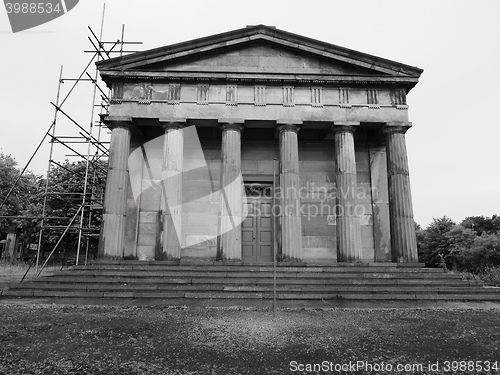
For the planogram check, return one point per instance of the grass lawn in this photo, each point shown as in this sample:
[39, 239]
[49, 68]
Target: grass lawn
[68, 339]
[14, 272]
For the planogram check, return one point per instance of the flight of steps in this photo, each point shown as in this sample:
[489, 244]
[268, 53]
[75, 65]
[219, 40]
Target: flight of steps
[208, 281]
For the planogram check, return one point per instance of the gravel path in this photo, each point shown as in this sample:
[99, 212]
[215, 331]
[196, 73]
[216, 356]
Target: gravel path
[67, 339]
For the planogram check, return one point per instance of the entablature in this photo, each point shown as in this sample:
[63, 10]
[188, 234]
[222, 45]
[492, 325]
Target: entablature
[309, 95]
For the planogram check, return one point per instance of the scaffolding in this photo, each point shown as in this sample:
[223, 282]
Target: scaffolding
[87, 145]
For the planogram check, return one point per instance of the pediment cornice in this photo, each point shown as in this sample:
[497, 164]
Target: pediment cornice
[145, 64]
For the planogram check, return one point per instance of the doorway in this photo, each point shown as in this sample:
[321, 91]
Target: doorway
[257, 228]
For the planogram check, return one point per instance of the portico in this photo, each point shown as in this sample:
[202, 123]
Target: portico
[333, 119]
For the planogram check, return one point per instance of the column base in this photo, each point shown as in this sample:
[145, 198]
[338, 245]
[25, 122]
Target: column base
[112, 237]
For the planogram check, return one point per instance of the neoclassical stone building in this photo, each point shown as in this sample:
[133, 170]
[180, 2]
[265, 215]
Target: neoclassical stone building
[316, 132]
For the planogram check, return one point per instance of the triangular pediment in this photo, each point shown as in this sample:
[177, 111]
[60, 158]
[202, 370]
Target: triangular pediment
[256, 50]
[259, 57]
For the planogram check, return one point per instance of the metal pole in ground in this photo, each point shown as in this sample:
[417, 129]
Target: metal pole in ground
[47, 177]
[89, 145]
[58, 242]
[274, 237]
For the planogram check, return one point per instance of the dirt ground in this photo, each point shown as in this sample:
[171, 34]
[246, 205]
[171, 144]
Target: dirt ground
[71, 339]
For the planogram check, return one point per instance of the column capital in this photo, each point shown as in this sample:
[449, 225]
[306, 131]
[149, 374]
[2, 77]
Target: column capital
[288, 125]
[236, 124]
[117, 121]
[344, 126]
[288, 121]
[346, 123]
[172, 123]
[288, 128]
[343, 129]
[396, 127]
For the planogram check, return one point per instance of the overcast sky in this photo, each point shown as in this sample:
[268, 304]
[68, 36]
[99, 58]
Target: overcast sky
[453, 146]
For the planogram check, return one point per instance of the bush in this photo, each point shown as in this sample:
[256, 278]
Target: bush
[491, 276]
[469, 276]
[482, 255]
[7, 268]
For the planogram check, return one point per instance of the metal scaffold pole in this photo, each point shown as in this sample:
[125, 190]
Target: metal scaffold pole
[273, 212]
[70, 190]
[44, 207]
[89, 138]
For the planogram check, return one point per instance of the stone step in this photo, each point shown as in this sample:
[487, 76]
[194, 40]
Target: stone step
[204, 263]
[254, 288]
[229, 281]
[227, 268]
[240, 296]
[256, 280]
[262, 274]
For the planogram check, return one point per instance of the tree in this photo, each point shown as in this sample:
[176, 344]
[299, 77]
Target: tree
[64, 197]
[459, 239]
[472, 246]
[433, 241]
[25, 199]
[481, 224]
[482, 254]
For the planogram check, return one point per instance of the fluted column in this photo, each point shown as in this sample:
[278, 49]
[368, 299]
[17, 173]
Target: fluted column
[291, 222]
[403, 238]
[173, 148]
[348, 229]
[115, 198]
[231, 189]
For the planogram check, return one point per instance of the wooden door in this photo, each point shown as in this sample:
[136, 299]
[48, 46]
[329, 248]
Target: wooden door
[257, 228]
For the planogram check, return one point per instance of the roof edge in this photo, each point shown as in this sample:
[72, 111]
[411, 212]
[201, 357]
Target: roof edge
[115, 63]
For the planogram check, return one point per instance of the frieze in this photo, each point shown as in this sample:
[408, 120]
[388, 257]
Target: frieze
[288, 96]
[371, 96]
[317, 96]
[141, 92]
[175, 93]
[117, 90]
[202, 94]
[231, 95]
[398, 97]
[343, 96]
[260, 95]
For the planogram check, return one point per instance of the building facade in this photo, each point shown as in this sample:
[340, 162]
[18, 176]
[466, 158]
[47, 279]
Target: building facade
[236, 145]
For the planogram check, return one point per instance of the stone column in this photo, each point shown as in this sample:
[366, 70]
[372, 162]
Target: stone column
[231, 189]
[115, 197]
[291, 221]
[348, 229]
[173, 149]
[403, 238]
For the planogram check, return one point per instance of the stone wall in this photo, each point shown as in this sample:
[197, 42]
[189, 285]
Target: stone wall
[201, 207]
[317, 193]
